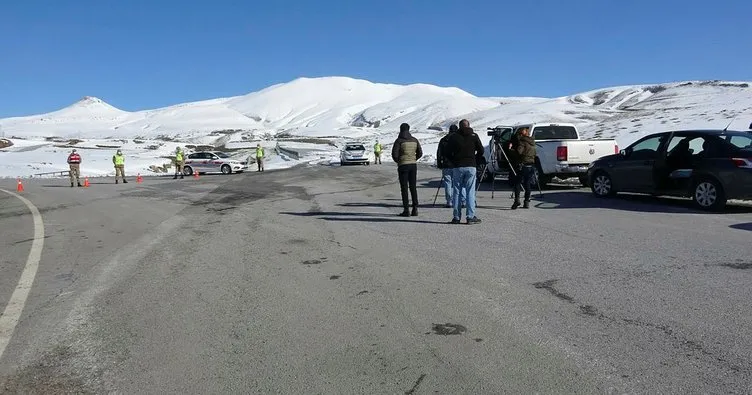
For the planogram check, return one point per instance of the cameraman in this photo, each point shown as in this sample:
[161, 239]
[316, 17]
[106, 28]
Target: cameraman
[523, 147]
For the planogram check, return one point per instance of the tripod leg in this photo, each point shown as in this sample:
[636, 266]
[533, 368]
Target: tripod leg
[437, 192]
[493, 186]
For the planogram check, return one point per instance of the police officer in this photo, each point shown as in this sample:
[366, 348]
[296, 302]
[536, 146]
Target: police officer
[119, 161]
[179, 163]
[74, 164]
[259, 157]
[377, 152]
[523, 147]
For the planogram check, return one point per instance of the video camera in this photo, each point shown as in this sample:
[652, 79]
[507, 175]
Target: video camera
[498, 132]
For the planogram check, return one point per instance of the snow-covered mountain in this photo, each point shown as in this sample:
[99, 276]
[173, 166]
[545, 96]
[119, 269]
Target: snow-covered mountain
[307, 115]
[341, 106]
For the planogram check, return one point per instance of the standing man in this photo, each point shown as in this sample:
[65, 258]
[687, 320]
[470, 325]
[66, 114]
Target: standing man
[259, 157]
[463, 149]
[74, 164]
[119, 161]
[405, 152]
[377, 152]
[524, 148]
[446, 166]
[179, 163]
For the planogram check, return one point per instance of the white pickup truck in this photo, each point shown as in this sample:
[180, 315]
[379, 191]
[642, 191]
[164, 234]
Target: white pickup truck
[559, 150]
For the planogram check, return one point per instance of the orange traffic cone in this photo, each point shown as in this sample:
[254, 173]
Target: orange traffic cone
[195, 175]
[86, 182]
[139, 179]
[20, 187]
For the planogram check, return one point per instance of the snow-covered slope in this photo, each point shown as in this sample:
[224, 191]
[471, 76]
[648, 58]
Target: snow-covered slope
[339, 108]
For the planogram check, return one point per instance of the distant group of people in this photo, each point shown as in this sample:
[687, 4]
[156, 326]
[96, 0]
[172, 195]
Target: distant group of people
[459, 154]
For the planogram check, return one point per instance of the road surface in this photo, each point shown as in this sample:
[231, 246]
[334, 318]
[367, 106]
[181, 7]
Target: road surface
[306, 281]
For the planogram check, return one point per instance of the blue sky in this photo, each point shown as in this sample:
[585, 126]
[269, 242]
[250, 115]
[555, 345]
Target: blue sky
[139, 54]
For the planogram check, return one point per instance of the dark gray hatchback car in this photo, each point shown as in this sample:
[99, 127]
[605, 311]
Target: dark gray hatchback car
[710, 166]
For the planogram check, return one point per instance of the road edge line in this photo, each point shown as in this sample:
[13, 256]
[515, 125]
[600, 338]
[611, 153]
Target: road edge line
[14, 308]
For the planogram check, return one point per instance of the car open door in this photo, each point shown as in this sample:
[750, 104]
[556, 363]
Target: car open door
[634, 172]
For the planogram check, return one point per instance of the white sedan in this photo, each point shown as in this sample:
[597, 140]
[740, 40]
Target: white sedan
[354, 153]
[212, 162]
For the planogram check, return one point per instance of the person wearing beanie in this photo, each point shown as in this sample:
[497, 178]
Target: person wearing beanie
[446, 166]
[405, 152]
[463, 149]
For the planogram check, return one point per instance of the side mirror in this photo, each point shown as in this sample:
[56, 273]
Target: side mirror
[623, 152]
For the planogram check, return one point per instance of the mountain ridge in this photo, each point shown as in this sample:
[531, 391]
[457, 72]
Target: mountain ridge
[324, 106]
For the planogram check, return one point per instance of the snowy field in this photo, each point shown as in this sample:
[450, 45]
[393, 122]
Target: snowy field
[310, 118]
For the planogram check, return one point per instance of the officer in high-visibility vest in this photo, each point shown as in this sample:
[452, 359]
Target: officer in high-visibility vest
[377, 152]
[74, 161]
[259, 157]
[179, 162]
[119, 161]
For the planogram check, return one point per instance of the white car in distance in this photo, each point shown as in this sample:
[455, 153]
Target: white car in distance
[354, 153]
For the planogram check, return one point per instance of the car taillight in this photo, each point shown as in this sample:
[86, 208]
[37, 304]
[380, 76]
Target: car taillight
[742, 163]
[561, 153]
[616, 149]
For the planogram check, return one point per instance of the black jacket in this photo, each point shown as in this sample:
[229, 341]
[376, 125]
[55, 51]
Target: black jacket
[442, 162]
[464, 148]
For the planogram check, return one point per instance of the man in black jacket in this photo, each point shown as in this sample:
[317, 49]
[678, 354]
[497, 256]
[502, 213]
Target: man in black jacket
[463, 149]
[446, 166]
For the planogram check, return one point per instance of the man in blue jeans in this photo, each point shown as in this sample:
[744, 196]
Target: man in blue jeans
[463, 149]
[446, 166]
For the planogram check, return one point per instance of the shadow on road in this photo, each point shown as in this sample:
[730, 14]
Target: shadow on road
[626, 202]
[742, 226]
[371, 204]
[417, 221]
[362, 217]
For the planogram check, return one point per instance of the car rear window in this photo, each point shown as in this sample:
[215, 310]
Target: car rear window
[554, 133]
[742, 142]
[358, 147]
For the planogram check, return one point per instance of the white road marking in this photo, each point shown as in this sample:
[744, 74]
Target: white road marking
[9, 318]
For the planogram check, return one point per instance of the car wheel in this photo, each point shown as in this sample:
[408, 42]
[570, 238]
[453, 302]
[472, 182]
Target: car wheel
[708, 195]
[602, 185]
[226, 169]
[187, 170]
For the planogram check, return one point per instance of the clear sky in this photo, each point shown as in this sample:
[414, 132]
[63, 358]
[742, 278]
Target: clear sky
[140, 54]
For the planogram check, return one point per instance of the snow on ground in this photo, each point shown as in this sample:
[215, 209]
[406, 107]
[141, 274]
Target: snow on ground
[313, 117]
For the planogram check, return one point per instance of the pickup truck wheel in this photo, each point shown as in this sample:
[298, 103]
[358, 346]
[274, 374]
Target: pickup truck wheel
[708, 195]
[602, 185]
[543, 179]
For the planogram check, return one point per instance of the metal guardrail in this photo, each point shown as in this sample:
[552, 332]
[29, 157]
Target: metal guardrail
[287, 152]
[61, 173]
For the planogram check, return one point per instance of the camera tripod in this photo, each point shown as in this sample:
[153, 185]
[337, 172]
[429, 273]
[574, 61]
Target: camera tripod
[494, 147]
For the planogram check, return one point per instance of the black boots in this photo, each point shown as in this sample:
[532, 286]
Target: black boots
[407, 213]
[517, 204]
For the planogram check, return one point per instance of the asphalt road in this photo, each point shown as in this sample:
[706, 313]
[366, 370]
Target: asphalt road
[306, 281]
